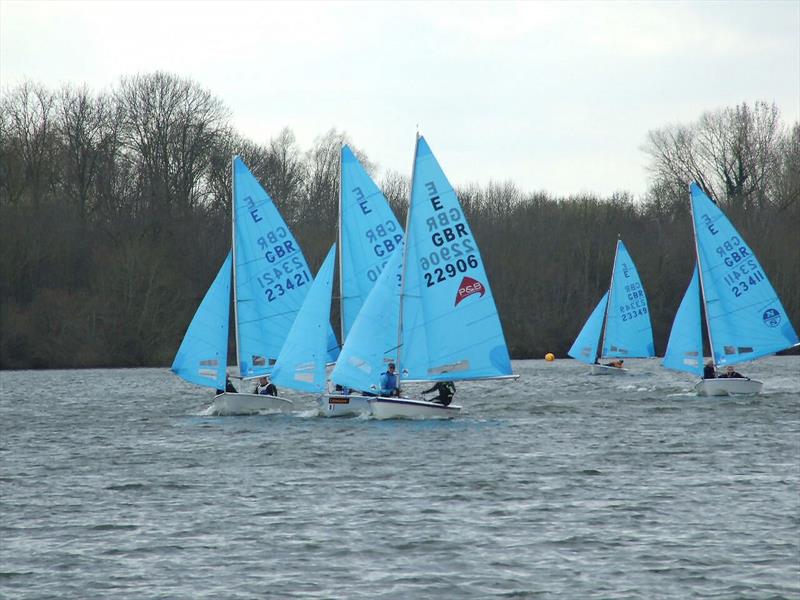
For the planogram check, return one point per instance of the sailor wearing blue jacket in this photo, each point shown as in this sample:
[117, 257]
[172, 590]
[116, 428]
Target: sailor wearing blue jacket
[389, 385]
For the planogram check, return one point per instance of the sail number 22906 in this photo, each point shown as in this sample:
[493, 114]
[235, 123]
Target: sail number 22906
[450, 270]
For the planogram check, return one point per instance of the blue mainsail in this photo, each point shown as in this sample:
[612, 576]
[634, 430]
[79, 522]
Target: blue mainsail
[450, 326]
[584, 348]
[685, 346]
[272, 276]
[745, 317]
[372, 341]
[628, 332]
[203, 354]
[369, 235]
[301, 362]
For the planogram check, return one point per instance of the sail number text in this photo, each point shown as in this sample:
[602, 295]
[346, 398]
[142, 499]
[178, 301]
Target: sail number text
[384, 239]
[285, 272]
[744, 273]
[637, 302]
[454, 249]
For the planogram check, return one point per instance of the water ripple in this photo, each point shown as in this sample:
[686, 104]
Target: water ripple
[557, 485]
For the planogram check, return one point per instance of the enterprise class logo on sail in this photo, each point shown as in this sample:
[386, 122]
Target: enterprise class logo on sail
[771, 317]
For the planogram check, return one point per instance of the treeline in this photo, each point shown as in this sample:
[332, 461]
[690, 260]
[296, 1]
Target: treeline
[115, 215]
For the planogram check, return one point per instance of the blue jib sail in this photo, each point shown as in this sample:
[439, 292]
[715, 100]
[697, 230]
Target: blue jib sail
[584, 348]
[203, 354]
[685, 346]
[745, 317]
[372, 341]
[450, 326]
[369, 235]
[272, 276]
[628, 332]
[301, 362]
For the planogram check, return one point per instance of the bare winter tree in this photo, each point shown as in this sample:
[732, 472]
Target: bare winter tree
[170, 125]
[87, 131]
[29, 148]
[397, 188]
[734, 154]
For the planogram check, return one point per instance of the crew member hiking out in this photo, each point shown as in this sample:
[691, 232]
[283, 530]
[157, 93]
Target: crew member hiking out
[446, 389]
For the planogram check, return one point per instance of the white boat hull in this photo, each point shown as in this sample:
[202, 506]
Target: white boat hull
[606, 370]
[228, 404]
[407, 408]
[343, 406]
[728, 386]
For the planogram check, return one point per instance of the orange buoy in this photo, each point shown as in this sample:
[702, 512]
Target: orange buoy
[549, 357]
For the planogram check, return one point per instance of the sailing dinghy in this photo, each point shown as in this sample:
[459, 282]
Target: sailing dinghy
[438, 320]
[271, 279]
[745, 319]
[619, 326]
[369, 235]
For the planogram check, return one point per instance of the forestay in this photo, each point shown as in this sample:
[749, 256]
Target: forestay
[272, 276]
[203, 353]
[745, 317]
[450, 326]
[301, 362]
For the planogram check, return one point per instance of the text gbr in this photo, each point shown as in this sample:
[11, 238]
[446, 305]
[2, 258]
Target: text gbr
[451, 239]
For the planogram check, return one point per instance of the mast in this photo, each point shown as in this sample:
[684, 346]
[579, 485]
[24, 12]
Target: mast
[339, 251]
[599, 352]
[405, 256]
[233, 251]
[700, 273]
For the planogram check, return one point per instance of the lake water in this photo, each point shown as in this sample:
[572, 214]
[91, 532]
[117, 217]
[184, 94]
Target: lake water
[558, 485]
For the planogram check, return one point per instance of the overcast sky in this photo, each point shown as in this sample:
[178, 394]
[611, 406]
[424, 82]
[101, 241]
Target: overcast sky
[555, 96]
